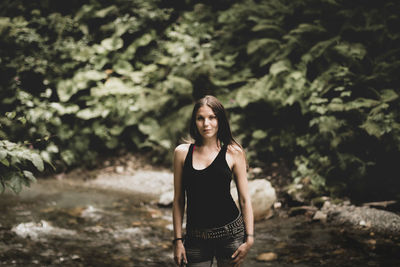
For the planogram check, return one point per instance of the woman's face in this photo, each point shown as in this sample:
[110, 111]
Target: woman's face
[206, 122]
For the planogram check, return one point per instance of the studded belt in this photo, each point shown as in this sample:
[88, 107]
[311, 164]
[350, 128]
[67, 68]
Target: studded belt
[227, 230]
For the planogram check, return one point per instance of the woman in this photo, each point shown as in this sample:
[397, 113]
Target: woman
[215, 227]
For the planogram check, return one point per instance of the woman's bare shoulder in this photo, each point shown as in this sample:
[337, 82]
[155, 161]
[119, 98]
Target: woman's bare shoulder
[235, 150]
[182, 149]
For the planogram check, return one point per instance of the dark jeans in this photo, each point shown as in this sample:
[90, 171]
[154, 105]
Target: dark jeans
[201, 252]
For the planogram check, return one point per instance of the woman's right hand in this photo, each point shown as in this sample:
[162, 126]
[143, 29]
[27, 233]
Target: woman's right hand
[179, 253]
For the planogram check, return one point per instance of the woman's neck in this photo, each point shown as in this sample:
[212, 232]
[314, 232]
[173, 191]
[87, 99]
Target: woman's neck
[210, 143]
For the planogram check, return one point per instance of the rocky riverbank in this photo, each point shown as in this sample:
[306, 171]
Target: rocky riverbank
[116, 215]
[132, 174]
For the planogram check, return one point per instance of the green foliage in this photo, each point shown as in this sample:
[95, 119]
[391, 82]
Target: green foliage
[87, 87]
[313, 82]
[325, 81]
[306, 83]
[16, 164]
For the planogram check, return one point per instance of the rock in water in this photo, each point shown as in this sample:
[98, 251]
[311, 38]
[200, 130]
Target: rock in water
[166, 199]
[320, 216]
[262, 195]
[268, 256]
[379, 221]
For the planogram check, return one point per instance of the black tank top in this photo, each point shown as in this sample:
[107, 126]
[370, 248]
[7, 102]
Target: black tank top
[209, 200]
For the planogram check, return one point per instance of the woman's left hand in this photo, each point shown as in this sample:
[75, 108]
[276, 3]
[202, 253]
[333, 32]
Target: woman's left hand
[241, 253]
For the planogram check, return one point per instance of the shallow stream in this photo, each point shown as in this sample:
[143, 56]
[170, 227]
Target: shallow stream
[55, 223]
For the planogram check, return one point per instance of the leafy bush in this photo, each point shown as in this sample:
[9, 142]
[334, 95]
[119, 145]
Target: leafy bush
[16, 164]
[312, 82]
[322, 73]
[79, 66]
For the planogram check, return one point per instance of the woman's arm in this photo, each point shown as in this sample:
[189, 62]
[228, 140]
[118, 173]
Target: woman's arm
[240, 173]
[239, 170]
[178, 206]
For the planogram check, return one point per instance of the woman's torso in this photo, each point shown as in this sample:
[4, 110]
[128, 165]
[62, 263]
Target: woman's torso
[209, 201]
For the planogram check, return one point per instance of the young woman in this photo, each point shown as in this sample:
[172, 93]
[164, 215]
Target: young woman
[203, 170]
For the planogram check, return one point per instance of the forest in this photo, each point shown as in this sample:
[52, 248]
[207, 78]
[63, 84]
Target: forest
[312, 85]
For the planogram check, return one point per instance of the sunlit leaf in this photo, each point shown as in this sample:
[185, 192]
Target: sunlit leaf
[29, 175]
[115, 86]
[63, 109]
[90, 113]
[91, 75]
[37, 161]
[267, 28]
[117, 130]
[166, 144]
[112, 43]
[388, 95]
[105, 11]
[112, 142]
[259, 134]
[15, 181]
[362, 103]
[66, 89]
[3, 154]
[254, 45]
[353, 50]
[318, 49]
[123, 67]
[148, 126]
[372, 128]
[280, 66]
[5, 162]
[68, 157]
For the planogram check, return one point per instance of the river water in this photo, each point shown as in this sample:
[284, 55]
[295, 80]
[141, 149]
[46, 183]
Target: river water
[55, 223]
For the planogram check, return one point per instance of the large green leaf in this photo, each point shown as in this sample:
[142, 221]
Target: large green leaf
[351, 50]
[105, 11]
[89, 75]
[123, 67]
[29, 176]
[266, 43]
[5, 162]
[318, 49]
[3, 154]
[111, 142]
[372, 128]
[66, 89]
[304, 28]
[14, 181]
[268, 27]
[259, 134]
[112, 44]
[362, 103]
[279, 67]
[115, 86]
[38, 162]
[148, 126]
[68, 157]
[64, 108]
[388, 95]
[92, 112]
